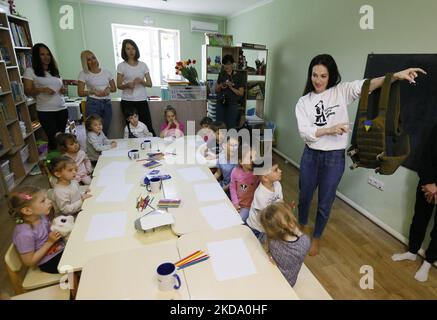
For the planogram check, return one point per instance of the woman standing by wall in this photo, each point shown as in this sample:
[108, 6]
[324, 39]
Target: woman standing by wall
[99, 83]
[133, 77]
[323, 123]
[43, 81]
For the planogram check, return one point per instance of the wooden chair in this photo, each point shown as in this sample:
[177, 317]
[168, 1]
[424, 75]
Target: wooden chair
[34, 277]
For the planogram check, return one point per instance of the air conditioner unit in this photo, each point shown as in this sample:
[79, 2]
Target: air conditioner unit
[200, 26]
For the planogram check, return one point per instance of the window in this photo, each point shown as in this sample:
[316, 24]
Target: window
[159, 49]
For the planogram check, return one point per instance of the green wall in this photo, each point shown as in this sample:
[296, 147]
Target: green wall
[297, 30]
[97, 33]
[37, 11]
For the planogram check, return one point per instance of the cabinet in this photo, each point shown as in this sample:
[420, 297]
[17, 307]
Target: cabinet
[246, 57]
[18, 118]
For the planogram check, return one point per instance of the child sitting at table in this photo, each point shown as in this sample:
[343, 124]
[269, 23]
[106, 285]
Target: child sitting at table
[171, 126]
[227, 161]
[67, 194]
[269, 191]
[243, 181]
[96, 141]
[69, 146]
[135, 128]
[36, 244]
[205, 129]
[286, 244]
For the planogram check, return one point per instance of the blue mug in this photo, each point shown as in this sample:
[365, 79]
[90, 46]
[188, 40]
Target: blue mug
[168, 279]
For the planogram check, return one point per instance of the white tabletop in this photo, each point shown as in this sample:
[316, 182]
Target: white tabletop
[267, 283]
[130, 275]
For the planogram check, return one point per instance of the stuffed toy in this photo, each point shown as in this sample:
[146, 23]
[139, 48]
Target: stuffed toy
[64, 225]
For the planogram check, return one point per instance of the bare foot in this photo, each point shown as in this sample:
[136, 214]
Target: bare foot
[314, 249]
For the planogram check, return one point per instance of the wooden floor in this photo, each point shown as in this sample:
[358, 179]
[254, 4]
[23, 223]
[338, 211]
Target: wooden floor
[349, 242]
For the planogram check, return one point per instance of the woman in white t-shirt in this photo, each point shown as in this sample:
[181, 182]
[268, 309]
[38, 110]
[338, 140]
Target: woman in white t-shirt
[43, 81]
[99, 84]
[133, 77]
[323, 124]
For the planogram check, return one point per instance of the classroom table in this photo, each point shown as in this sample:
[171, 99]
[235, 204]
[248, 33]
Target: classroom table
[130, 275]
[266, 284]
[80, 249]
[188, 217]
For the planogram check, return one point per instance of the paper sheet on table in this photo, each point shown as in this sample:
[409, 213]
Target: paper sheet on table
[119, 151]
[115, 153]
[192, 174]
[106, 226]
[209, 192]
[115, 193]
[113, 173]
[221, 216]
[230, 259]
[116, 166]
[108, 180]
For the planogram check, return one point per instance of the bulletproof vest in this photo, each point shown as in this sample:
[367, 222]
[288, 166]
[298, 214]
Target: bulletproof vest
[377, 139]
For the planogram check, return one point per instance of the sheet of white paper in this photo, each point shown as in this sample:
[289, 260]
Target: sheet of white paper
[107, 180]
[221, 216]
[115, 193]
[230, 259]
[156, 219]
[192, 174]
[121, 145]
[106, 226]
[113, 173]
[115, 153]
[209, 192]
[115, 166]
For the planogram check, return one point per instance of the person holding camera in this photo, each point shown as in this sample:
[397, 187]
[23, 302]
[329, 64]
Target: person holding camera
[230, 89]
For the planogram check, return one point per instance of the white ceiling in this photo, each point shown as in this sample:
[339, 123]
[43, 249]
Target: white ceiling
[220, 8]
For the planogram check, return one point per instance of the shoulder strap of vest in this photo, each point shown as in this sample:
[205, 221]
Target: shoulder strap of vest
[364, 98]
[384, 97]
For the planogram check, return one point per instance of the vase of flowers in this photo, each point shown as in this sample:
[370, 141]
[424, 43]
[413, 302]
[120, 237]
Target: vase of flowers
[187, 70]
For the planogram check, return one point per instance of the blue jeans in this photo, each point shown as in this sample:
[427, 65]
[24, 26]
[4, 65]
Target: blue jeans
[227, 114]
[322, 169]
[103, 108]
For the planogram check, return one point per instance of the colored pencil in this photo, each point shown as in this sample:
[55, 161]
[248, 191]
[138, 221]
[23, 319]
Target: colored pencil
[193, 260]
[187, 257]
[193, 263]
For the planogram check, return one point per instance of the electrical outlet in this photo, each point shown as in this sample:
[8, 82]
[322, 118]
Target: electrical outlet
[378, 184]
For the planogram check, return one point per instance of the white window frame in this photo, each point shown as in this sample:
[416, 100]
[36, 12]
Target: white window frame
[160, 31]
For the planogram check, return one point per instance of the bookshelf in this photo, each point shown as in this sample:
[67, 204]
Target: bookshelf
[255, 78]
[18, 147]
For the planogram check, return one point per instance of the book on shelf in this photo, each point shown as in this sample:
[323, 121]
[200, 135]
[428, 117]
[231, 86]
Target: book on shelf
[24, 60]
[5, 54]
[3, 112]
[17, 91]
[20, 35]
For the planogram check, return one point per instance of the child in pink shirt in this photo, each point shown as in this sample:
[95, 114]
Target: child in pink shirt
[171, 126]
[243, 182]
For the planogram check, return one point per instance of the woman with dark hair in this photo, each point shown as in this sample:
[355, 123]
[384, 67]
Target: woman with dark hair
[42, 81]
[323, 124]
[133, 77]
[230, 89]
